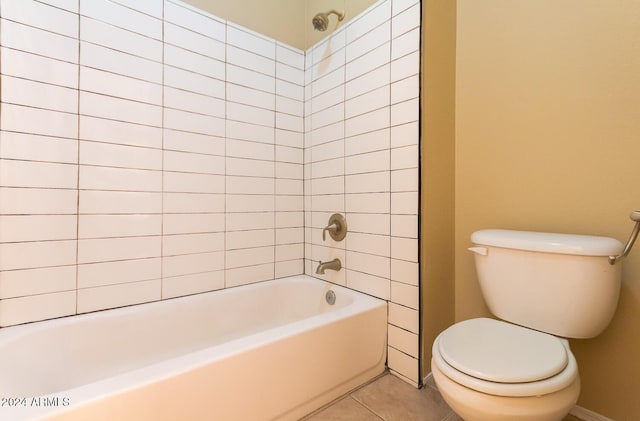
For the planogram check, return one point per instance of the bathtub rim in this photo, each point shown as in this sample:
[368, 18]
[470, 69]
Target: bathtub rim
[16, 331]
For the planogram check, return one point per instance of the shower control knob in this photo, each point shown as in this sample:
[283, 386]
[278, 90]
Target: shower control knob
[337, 228]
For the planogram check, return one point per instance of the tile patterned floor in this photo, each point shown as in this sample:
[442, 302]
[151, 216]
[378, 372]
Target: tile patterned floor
[390, 399]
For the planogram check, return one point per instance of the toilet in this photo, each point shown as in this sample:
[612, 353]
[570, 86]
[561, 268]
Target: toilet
[545, 288]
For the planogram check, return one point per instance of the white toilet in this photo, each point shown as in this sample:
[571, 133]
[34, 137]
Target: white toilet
[546, 287]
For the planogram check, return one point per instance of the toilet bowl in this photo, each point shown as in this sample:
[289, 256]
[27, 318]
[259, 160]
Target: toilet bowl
[491, 370]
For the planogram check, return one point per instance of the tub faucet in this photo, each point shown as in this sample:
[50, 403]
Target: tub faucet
[334, 264]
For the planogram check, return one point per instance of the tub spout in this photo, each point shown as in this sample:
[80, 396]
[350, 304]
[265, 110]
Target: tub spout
[334, 264]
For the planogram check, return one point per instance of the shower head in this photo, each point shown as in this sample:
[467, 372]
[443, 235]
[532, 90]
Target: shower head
[321, 20]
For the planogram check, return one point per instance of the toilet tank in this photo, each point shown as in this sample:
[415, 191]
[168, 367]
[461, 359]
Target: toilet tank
[561, 284]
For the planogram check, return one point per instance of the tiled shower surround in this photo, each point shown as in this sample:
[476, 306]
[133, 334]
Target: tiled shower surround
[149, 150]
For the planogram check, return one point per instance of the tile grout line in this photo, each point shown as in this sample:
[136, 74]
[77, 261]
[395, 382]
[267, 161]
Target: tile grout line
[366, 407]
[362, 404]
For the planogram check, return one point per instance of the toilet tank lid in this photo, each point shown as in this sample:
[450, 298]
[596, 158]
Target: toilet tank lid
[586, 245]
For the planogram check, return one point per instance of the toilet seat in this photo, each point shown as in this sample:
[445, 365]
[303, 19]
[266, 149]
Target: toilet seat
[502, 359]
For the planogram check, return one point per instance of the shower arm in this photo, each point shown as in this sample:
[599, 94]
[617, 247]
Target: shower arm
[635, 216]
[340, 15]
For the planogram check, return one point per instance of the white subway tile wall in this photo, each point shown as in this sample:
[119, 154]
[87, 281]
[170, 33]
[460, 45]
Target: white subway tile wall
[362, 156]
[150, 150]
[38, 161]
[193, 152]
[112, 102]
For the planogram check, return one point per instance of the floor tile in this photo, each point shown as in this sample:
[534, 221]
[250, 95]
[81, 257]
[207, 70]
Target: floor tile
[390, 399]
[394, 400]
[346, 409]
[453, 417]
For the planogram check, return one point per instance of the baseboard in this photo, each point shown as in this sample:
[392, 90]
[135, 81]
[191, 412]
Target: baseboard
[428, 380]
[586, 415]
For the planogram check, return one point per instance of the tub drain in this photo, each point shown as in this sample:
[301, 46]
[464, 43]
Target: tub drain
[331, 297]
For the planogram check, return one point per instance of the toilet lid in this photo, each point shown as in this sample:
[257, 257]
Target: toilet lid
[501, 352]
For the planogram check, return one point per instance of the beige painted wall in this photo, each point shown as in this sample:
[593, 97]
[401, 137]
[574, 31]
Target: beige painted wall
[288, 21]
[279, 19]
[437, 171]
[548, 139]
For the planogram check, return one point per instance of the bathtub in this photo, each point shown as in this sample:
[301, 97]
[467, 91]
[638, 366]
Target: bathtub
[271, 350]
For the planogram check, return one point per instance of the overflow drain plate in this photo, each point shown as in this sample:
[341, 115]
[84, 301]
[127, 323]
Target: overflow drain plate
[330, 297]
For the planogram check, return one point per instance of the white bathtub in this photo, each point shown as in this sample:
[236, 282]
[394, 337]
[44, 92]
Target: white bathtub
[272, 350]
